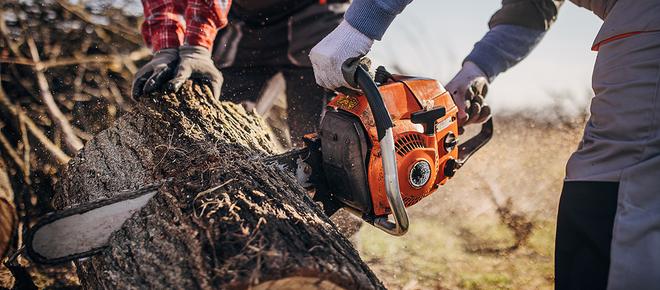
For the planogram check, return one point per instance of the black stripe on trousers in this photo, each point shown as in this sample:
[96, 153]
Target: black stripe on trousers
[584, 234]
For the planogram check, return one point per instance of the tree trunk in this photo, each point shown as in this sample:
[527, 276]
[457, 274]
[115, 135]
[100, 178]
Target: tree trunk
[223, 220]
[8, 217]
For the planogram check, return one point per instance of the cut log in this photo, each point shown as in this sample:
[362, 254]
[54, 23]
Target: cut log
[224, 220]
[8, 217]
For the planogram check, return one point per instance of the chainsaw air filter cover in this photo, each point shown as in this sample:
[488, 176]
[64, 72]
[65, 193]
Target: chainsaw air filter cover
[424, 117]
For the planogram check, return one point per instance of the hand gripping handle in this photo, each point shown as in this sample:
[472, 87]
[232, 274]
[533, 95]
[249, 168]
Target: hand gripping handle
[384, 125]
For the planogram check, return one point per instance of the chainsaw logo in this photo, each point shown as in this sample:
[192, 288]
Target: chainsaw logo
[347, 103]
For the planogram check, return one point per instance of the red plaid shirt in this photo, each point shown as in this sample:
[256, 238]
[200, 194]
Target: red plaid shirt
[171, 23]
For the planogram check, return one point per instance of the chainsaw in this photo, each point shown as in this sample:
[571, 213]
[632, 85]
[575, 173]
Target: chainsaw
[378, 151]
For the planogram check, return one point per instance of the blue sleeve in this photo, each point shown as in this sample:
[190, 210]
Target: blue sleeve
[503, 47]
[373, 17]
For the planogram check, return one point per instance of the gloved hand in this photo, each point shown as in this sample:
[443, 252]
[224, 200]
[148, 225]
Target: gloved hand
[329, 55]
[469, 88]
[195, 62]
[156, 72]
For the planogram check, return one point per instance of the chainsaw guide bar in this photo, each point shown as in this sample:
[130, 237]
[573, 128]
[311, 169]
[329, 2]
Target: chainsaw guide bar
[84, 230]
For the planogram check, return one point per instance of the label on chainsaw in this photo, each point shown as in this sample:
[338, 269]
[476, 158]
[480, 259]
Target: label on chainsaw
[347, 103]
[442, 125]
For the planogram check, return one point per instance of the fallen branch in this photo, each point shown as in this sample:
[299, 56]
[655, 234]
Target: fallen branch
[15, 112]
[97, 59]
[26, 150]
[72, 141]
[10, 150]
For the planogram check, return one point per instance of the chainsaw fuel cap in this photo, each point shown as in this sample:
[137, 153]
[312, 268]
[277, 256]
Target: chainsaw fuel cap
[420, 173]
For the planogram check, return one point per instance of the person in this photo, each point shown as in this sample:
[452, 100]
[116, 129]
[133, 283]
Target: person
[608, 225]
[237, 47]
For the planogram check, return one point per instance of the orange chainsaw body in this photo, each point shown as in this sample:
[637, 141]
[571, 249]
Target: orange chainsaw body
[416, 152]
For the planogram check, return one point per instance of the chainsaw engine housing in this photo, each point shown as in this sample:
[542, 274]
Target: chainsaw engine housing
[425, 135]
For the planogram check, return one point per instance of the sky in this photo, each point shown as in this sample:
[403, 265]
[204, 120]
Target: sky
[431, 38]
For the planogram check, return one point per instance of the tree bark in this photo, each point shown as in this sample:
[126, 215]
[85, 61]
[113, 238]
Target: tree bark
[224, 220]
[8, 218]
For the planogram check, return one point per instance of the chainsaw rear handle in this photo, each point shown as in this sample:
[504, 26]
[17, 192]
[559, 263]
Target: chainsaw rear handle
[472, 145]
[384, 124]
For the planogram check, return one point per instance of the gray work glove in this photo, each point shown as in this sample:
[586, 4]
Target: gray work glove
[156, 72]
[329, 54]
[196, 63]
[469, 88]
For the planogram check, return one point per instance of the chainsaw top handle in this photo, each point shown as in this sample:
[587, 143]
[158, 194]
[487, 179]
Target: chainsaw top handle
[356, 74]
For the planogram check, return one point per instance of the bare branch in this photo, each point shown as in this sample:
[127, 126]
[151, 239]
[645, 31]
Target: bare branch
[119, 58]
[6, 146]
[72, 141]
[26, 149]
[16, 112]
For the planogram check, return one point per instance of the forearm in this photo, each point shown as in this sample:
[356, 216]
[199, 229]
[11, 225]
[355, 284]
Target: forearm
[516, 29]
[162, 27]
[503, 47]
[373, 17]
[203, 20]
